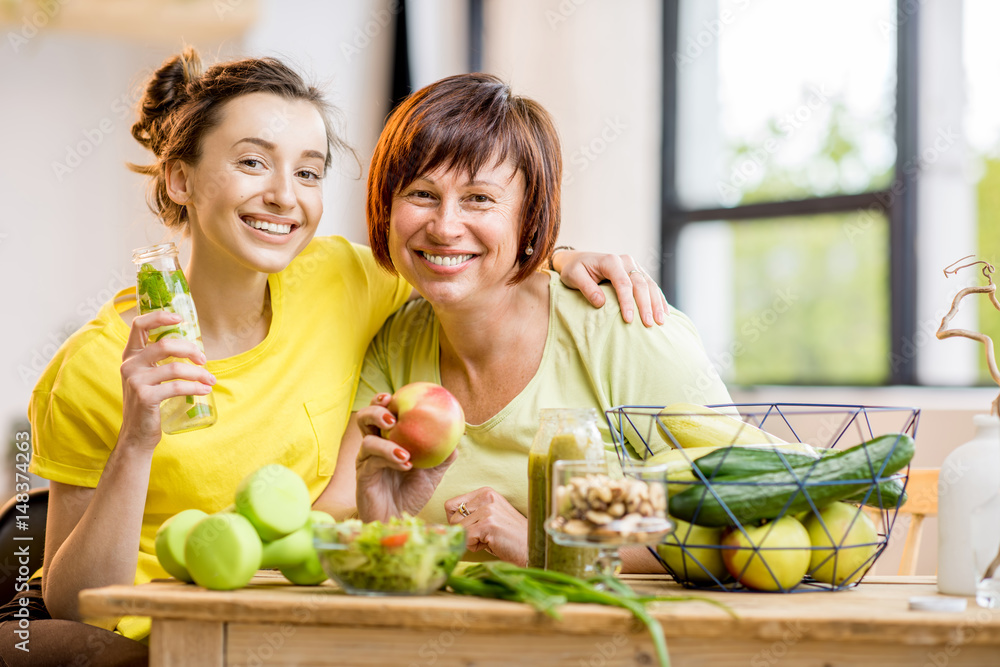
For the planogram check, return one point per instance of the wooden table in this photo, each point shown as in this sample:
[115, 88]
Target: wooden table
[273, 623]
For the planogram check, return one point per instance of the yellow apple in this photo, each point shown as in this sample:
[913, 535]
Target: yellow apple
[771, 557]
[697, 562]
[850, 538]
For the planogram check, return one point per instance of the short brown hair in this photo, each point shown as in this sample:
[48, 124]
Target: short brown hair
[460, 122]
[181, 105]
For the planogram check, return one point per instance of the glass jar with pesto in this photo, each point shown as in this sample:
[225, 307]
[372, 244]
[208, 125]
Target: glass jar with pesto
[160, 285]
[563, 434]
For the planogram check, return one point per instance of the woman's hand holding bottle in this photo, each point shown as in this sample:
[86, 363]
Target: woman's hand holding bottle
[146, 383]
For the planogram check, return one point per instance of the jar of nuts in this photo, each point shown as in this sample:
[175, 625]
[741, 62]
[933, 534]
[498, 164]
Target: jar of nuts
[594, 505]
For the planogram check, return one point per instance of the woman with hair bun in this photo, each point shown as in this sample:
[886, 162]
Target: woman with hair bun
[241, 151]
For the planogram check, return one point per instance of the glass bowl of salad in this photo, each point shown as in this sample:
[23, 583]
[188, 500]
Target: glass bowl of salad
[403, 556]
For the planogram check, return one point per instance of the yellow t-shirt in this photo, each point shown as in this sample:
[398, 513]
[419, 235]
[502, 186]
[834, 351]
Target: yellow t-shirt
[285, 401]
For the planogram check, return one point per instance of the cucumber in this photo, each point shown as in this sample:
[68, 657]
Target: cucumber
[768, 495]
[892, 492]
[741, 461]
[733, 462]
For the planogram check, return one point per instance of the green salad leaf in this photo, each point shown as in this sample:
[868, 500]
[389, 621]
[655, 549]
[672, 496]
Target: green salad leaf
[402, 555]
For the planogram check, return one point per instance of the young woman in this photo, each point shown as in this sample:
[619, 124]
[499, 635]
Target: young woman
[241, 151]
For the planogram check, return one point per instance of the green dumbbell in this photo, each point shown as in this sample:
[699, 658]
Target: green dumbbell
[222, 551]
[275, 500]
[170, 539]
[295, 554]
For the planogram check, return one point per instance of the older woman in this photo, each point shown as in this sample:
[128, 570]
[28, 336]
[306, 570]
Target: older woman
[463, 202]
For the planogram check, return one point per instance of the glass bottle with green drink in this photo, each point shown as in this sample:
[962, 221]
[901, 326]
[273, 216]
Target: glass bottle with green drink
[160, 285]
[538, 499]
[563, 434]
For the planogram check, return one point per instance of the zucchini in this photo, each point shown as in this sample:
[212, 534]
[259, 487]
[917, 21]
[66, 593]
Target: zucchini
[768, 495]
[691, 426]
[723, 464]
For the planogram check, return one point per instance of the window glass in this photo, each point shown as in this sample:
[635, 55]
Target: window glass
[801, 300]
[783, 99]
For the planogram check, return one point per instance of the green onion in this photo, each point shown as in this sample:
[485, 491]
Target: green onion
[546, 590]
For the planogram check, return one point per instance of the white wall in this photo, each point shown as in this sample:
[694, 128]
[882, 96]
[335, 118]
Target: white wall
[946, 201]
[596, 67]
[66, 236]
[72, 211]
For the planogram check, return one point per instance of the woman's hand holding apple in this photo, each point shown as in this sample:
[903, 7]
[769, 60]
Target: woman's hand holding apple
[491, 524]
[388, 482]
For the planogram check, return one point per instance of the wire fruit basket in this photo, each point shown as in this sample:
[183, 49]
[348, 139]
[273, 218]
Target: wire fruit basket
[777, 497]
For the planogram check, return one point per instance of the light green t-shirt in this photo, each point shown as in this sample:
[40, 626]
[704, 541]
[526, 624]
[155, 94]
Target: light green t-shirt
[592, 359]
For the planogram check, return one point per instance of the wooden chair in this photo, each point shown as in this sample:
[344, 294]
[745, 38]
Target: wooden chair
[922, 501]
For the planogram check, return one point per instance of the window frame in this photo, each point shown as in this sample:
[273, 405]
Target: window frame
[898, 202]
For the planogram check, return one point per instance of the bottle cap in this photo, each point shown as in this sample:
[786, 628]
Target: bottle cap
[938, 603]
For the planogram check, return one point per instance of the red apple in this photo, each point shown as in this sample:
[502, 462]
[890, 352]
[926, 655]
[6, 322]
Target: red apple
[429, 423]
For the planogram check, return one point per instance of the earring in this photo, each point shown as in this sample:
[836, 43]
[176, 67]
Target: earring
[529, 250]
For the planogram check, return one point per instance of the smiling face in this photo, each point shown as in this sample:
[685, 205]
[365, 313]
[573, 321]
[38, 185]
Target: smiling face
[455, 237]
[254, 197]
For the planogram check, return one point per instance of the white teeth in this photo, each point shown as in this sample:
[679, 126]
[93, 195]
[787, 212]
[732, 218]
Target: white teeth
[447, 260]
[272, 227]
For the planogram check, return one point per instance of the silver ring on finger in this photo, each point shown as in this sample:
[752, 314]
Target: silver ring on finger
[639, 271]
[463, 510]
